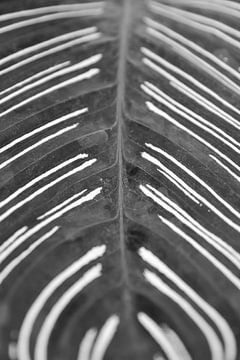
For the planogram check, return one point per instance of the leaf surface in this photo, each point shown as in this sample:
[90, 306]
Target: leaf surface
[119, 176]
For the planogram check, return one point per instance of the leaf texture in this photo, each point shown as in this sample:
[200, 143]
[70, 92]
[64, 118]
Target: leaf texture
[119, 176]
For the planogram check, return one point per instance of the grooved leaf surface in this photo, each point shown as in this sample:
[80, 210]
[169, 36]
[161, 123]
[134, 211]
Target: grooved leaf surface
[119, 176]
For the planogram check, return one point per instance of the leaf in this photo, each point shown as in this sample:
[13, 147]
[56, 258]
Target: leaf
[119, 175]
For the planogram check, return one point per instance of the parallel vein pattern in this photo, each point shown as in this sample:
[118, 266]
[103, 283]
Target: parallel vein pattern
[119, 176]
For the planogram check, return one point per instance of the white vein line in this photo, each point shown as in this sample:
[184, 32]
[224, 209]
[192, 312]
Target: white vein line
[84, 76]
[228, 3]
[18, 259]
[42, 128]
[191, 191]
[179, 184]
[205, 103]
[187, 54]
[223, 247]
[23, 346]
[44, 188]
[194, 81]
[196, 47]
[224, 7]
[195, 177]
[193, 46]
[41, 347]
[12, 351]
[35, 76]
[220, 266]
[67, 70]
[225, 167]
[167, 117]
[212, 26]
[177, 343]
[194, 118]
[87, 344]
[49, 42]
[222, 325]
[37, 144]
[104, 338]
[48, 9]
[159, 357]
[61, 205]
[12, 238]
[49, 17]
[48, 52]
[193, 94]
[158, 335]
[41, 177]
[206, 20]
[29, 233]
[214, 343]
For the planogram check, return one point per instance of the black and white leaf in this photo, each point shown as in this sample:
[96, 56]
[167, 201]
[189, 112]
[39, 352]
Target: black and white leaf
[119, 176]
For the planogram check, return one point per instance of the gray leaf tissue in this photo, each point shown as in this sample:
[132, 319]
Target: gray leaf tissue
[120, 180]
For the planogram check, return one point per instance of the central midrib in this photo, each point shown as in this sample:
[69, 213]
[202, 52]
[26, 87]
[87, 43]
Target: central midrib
[125, 29]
